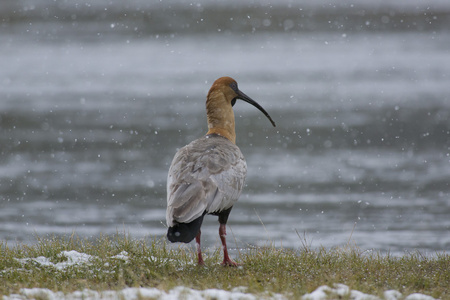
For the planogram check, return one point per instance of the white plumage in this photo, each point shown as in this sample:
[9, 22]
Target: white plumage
[205, 176]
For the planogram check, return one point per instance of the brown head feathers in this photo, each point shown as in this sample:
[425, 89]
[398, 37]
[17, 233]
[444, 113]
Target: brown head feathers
[221, 97]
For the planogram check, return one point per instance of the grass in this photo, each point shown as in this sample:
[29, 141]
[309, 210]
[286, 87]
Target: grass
[152, 264]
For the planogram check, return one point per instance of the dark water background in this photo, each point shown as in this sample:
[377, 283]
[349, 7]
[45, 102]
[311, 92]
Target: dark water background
[95, 99]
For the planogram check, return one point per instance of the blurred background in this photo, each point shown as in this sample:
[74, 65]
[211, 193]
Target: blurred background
[97, 96]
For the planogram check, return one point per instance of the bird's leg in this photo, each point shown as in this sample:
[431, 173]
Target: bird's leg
[199, 249]
[227, 261]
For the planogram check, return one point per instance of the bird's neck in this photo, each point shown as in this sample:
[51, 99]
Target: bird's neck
[220, 116]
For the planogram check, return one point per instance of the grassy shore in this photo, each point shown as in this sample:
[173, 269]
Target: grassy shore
[120, 261]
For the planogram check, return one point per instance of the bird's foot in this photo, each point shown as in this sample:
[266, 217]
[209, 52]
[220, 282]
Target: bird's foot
[201, 263]
[229, 263]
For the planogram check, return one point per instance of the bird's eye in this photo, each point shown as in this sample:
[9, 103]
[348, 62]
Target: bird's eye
[234, 86]
[233, 102]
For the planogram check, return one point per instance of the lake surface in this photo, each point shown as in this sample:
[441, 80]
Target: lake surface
[95, 99]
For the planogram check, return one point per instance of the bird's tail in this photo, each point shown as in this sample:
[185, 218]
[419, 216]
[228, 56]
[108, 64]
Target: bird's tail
[185, 232]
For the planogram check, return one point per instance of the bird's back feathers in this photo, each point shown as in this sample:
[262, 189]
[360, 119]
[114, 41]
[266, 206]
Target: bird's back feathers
[205, 176]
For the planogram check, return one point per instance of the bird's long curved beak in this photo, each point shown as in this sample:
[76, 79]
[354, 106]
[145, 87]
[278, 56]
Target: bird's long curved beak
[247, 99]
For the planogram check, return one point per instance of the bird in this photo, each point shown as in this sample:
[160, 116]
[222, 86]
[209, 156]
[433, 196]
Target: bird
[207, 175]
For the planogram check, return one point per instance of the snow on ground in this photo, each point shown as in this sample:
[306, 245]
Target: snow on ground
[75, 258]
[321, 293]
[340, 291]
[138, 293]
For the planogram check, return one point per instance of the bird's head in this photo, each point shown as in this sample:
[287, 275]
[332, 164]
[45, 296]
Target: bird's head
[225, 91]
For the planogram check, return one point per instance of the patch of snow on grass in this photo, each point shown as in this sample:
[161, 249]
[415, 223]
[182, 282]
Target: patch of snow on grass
[73, 258]
[321, 293]
[138, 293]
[417, 296]
[77, 258]
[392, 295]
[339, 291]
[122, 255]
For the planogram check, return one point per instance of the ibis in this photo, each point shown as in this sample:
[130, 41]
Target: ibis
[207, 175]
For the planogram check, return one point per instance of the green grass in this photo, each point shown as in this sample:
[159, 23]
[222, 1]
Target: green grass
[152, 264]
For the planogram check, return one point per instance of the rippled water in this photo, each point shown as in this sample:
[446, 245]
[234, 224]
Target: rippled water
[94, 103]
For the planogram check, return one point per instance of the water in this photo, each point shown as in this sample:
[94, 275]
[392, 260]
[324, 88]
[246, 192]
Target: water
[95, 99]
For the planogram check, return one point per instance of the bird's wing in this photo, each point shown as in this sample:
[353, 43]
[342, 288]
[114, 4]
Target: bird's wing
[227, 171]
[206, 175]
